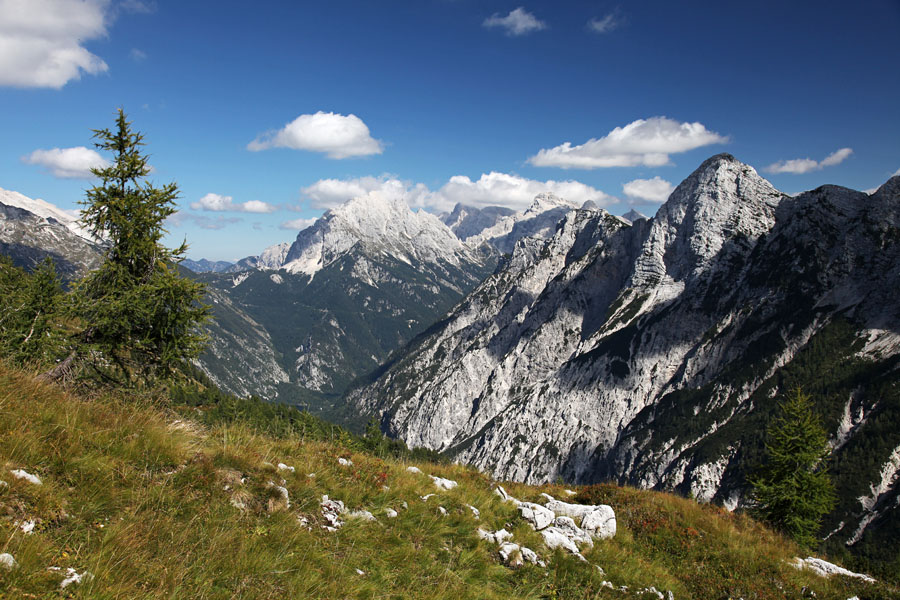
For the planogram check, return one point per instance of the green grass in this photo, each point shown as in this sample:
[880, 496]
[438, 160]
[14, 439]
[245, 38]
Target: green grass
[135, 493]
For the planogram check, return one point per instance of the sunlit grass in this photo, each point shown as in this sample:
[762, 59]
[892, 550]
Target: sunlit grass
[144, 503]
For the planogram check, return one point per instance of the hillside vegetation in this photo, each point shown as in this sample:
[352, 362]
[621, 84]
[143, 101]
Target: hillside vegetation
[158, 499]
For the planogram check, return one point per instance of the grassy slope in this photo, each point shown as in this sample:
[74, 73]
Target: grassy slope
[137, 497]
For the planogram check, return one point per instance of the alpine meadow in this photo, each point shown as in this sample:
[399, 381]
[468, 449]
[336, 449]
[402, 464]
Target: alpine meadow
[449, 300]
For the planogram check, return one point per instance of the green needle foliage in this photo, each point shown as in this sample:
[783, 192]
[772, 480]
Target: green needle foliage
[31, 310]
[793, 490]
[141, 315]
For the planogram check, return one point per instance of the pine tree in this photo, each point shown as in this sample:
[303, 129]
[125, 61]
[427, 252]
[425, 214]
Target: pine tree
[793, 490]
[31, 307]
[141, 316]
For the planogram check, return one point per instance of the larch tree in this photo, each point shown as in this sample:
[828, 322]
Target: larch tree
[793, 490]
[141, 317]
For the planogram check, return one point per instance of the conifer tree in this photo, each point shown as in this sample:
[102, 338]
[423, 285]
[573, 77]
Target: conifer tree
[793, 490]
[141, 316]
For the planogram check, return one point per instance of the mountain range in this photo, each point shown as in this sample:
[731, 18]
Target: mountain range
[654, 352]
[567, 343]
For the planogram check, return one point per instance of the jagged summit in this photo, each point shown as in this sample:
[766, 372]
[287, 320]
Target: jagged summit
[382, 225]
[549, 201]
[634, 215]
[45, 210]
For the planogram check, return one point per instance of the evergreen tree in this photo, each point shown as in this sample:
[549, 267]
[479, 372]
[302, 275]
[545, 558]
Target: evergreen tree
[141, 315]
[793, 490]
[29, 328]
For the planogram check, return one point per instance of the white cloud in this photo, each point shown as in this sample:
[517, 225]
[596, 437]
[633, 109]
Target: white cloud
[335, 135]
[512, 191]
[137, 55]
[219, 203]
[645, 142]
[68, 163]
[41, 41]
[328, 193]
[604, 25]
[491, 189]
[517, 22]
[798, 166]
[297, 224]
[655, 190]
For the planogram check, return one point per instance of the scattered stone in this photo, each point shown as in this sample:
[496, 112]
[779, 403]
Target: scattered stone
[414, 470]
[73, 577]
[390, 513]
[304, 522]
[504, 496]
[405, 505]
[7, 562]
[331, 512]
[362, 514]
[22, 474]
[570, 492]
[284, 467]
[496, 537]
[426, 497]
[444, 484]
[3, 484]
[511, 554]
[311, 475]
[475, 512]
[824, 568]
[572, 531]
[557, 538]
[598, 520]
[345, 462]
[385, 488]
[27, 527]
[651, 590]
[442, 510]
[360, 572]
[539, 516]
[282, 503]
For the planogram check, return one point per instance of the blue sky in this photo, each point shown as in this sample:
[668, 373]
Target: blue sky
[286, 108]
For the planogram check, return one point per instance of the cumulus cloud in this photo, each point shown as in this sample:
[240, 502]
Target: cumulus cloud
[606, 24]
[646, 142]
[68, 163]
[297, 224]
[491, 189]
[337, 136]
[219, 203]
[798, 166]
[654, 190]
[41, 41]
[517, 22]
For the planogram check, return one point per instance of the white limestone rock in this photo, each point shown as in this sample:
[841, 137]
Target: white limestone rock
[539, 516]
[390, 513]
[414, 470]
[557, 538]
[331, 512]
[444, 484]
[573, 532]
[7, 562]
[23, 474]
[345, 462]
[284, 467]
[824, 568]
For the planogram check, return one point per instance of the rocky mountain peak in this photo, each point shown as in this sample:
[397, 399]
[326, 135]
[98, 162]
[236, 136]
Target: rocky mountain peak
[549, 201]
[383, 225]
[724, 204]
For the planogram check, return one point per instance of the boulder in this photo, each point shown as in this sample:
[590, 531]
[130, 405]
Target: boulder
[444, 484]
[539, 516]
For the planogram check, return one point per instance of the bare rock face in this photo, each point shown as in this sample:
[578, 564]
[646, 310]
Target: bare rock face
[32, 229]
[653, 353]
